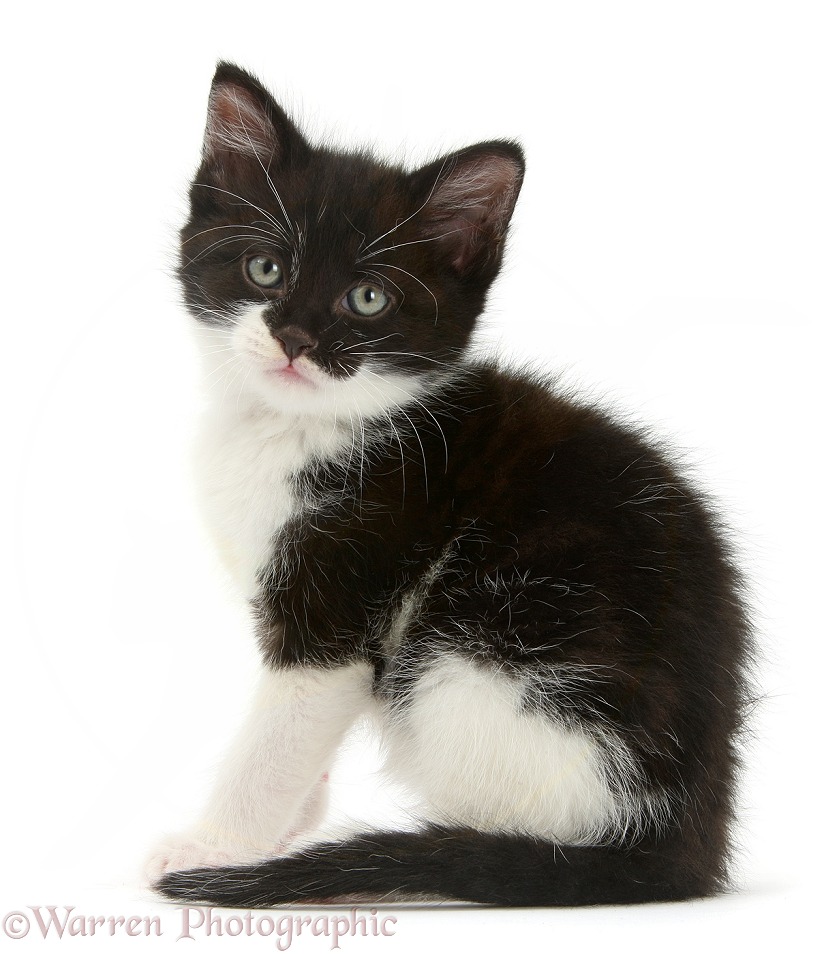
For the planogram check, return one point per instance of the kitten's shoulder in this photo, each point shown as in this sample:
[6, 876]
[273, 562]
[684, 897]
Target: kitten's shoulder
[535, 407]
[527, 428]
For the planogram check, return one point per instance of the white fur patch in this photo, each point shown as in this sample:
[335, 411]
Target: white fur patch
[246, 459]
[268, 788]
[411, 603]
[465, 743]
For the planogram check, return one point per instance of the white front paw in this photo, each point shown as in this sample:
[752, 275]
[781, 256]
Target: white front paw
[187, 851]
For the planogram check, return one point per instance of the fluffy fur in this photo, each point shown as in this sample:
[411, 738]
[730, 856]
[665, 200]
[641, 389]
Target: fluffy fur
[541, 610]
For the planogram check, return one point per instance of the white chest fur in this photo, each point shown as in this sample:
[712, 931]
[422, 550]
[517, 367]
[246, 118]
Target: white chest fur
[246, 462]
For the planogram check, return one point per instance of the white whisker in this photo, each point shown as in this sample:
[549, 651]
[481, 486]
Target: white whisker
[412, 216]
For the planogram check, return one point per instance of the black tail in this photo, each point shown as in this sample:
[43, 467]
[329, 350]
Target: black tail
[452, 864]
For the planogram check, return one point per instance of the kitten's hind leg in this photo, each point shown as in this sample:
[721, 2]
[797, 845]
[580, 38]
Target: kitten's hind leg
[271, 787]
[464, 739]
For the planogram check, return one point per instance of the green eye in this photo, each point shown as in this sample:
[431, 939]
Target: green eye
[264, 271]
[367, 300]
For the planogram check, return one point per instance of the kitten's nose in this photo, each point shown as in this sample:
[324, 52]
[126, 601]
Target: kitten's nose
[295, 342]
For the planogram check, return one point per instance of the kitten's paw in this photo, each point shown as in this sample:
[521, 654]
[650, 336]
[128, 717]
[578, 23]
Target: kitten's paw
[186, 852]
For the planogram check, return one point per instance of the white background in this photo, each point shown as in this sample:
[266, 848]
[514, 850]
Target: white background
[666, 255]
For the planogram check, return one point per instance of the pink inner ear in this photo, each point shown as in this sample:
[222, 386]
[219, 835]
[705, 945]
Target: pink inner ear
[237, 122]
[471, 205]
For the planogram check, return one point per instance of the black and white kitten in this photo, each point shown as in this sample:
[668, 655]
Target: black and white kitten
[537, 607]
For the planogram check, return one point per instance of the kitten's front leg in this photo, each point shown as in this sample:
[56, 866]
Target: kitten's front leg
[268, 782]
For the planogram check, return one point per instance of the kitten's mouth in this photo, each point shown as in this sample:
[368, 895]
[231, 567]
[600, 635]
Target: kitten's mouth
[296, 373]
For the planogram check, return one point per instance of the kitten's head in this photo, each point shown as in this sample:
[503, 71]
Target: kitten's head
[327, 282]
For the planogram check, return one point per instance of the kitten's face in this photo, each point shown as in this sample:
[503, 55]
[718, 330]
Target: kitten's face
[327, 283]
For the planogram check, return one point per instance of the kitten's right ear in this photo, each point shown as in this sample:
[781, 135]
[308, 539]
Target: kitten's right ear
[244, 123]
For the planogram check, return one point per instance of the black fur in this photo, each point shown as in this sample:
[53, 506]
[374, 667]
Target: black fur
[460, 864]
[564, 537]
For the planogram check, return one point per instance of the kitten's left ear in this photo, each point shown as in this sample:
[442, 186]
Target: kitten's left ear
[468, 199]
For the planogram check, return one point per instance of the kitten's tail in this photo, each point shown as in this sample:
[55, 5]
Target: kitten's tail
[441, 864]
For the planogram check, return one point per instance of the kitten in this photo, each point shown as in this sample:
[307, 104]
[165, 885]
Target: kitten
[541, 611]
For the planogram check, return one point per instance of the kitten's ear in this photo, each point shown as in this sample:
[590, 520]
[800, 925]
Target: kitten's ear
[243, 122]
[468, 199]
